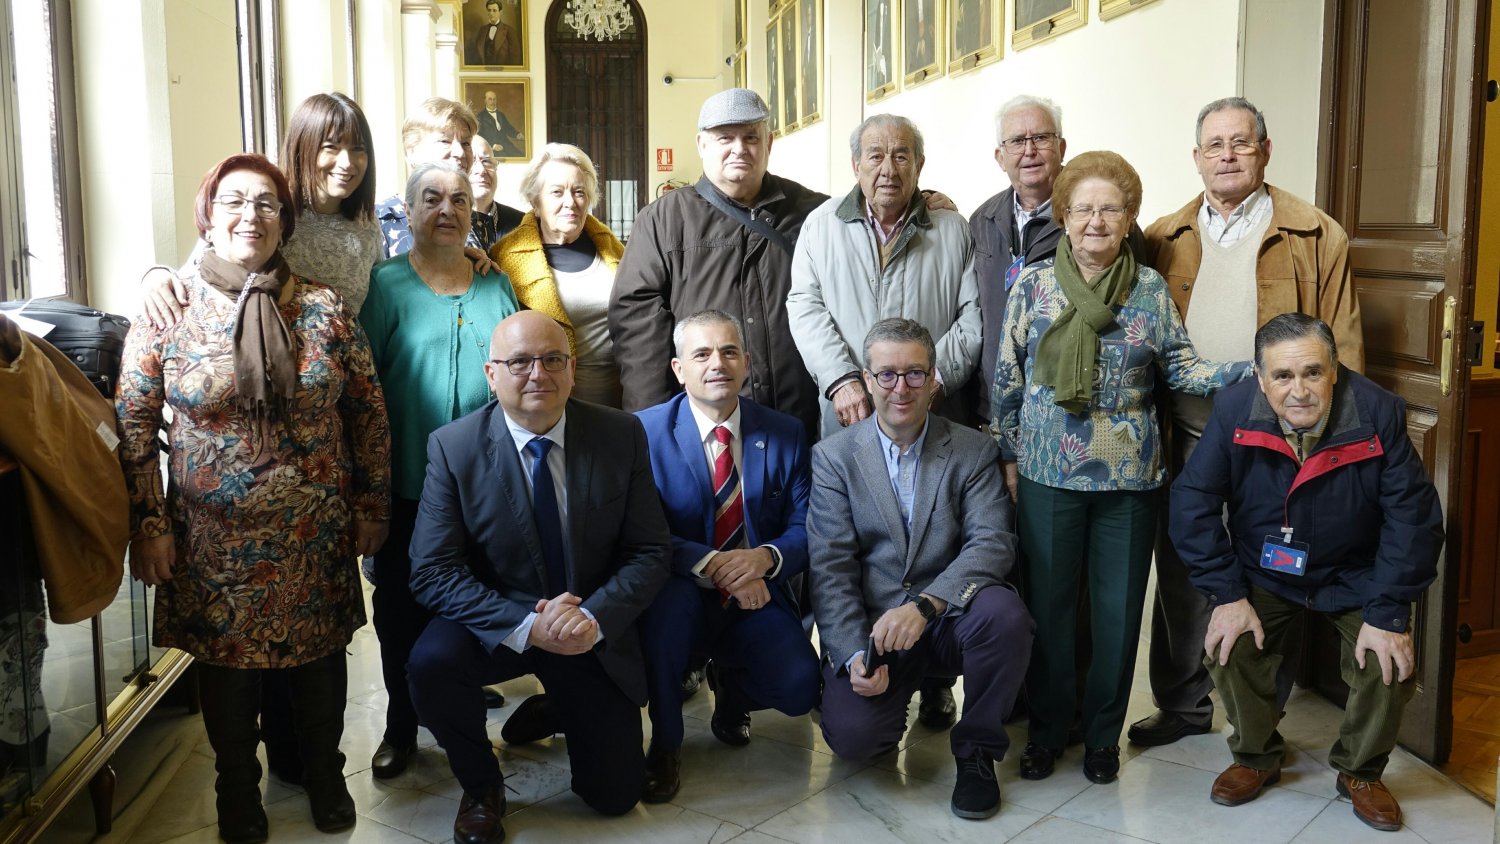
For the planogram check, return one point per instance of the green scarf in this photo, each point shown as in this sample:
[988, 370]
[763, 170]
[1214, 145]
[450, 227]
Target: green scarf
[1068, 351]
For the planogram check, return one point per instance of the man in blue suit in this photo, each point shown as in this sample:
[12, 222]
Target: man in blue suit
[734, 479]
[539, 540]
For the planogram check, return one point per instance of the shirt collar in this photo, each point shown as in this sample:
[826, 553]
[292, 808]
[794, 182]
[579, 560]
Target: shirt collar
[1244, 211]
[880, 231]
[1022, 215]
[1314, 431]
[706, 426]
[522, 436]
[886, 443]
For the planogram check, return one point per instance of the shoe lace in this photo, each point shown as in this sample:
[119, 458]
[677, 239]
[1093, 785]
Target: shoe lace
[977, 765]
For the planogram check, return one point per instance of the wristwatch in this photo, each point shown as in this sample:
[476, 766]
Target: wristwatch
[926, 607]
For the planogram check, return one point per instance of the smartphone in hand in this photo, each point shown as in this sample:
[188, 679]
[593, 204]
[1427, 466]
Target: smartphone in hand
[874, 660]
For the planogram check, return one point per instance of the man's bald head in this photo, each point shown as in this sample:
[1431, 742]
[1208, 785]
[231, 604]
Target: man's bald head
[533, 344]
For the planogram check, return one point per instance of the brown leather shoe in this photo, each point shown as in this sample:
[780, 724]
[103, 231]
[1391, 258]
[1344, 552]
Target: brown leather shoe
[479, 818]
[1373, 802]
[1240, 784]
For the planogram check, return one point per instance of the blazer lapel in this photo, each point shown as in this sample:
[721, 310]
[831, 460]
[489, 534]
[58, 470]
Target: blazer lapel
[507, 466]
[753, 469]
[690, 448]
[878, 483]
[934, 463]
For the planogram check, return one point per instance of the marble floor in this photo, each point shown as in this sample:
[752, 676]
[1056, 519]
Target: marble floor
[787, 787]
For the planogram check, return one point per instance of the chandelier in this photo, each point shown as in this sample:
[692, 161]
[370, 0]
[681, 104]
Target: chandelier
[603, 20]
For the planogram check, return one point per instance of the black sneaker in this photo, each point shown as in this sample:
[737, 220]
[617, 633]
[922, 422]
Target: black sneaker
[976, 795]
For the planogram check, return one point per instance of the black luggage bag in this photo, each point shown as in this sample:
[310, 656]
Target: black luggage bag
[92, 339]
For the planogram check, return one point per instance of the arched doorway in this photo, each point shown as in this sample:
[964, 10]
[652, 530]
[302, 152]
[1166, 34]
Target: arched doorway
[596, 99]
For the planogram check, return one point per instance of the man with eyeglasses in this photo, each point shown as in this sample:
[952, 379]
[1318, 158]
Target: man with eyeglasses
[1241, 252]
[539, 541]
[910, 535]
[734, 479]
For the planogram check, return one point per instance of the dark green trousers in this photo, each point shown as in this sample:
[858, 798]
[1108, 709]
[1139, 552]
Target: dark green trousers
[1247, 685]
[1068, 539]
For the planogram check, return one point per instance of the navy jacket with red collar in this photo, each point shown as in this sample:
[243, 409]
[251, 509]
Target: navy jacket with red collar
[1362, 501]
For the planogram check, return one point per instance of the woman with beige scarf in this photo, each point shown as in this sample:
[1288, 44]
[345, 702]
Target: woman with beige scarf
[279, 470]
[1087, 336]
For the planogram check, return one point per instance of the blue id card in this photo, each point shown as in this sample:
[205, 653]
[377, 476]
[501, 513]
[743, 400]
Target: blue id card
[1285, 556]
[1013, 272]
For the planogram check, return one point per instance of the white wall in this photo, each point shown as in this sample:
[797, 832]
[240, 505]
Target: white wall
[1281, 69]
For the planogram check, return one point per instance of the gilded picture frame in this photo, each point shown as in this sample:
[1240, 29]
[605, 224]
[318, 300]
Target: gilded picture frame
[1111, 9]
[975, 34]
[882, 39]
[810, 72]
[922, 41]
[492, 35]
[509, 134]
[1037, 21]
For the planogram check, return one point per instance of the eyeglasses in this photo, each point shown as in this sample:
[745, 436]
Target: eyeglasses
[1109, 213]
[486, 163]
[522, 366]
[914, 378]
[1240, 146]
[266, 209]
[1041, 140]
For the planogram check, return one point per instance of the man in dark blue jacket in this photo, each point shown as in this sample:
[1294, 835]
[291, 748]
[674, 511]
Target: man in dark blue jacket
[1329, 508]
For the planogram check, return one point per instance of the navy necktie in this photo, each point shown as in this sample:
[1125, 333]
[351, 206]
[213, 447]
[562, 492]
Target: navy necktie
[548, 520]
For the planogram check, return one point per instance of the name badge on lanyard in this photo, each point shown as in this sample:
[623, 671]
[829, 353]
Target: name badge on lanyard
[1281, 554]
[1014, 271]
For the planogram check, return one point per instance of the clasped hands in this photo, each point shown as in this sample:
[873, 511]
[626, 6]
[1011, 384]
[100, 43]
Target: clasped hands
[897, 629]
[1393, 651]
[742, 573]
[562, 627]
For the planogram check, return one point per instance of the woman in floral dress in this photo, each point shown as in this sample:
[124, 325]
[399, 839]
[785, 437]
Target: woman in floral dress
[278, 476]
[1086, 338]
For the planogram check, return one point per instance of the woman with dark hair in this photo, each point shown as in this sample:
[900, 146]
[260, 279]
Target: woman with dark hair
[326, 157]
[279, 468]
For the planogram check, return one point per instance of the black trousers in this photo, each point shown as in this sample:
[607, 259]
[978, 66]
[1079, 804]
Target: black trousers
[399, 621]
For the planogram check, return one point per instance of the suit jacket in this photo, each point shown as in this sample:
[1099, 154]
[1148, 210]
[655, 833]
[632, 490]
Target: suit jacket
[499, 131]
[863, 563]
[774, 476]
[477, 560]
[504, 48]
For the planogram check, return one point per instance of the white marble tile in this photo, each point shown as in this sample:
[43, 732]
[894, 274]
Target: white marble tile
[427, 816]
[1338, 823]
[1168, 803]
[1433, 806]
[932, 760]
[755, 836]
[188, 802]
[876, 806]
[566, 818]
[526, 782]
[1052, 829]
[747, 785]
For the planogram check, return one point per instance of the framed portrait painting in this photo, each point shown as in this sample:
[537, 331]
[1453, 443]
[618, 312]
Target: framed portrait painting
[1110, 9]
[503, 107]
[1042, 20]
[773, 75]
[974, 33]
[492, 35]
[880, 49]
[921, 54]
[791, 115]
[810, 78]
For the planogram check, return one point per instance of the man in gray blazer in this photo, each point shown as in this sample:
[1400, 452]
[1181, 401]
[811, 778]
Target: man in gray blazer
[909, 531]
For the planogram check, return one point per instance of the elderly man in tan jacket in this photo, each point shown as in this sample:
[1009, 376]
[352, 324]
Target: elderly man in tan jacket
[1249, 251]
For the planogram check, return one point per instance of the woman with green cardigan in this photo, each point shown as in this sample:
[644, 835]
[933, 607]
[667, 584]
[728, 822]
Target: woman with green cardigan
[428, 316]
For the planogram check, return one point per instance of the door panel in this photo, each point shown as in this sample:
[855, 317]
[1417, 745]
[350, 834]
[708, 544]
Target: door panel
[1403, 145]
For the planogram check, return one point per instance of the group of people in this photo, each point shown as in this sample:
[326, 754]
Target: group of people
[941, 443]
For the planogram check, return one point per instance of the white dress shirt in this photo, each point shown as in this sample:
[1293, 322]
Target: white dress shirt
[737, 452]
[1244, 218]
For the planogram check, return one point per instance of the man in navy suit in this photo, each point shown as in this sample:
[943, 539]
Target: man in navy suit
[734, 480]
[539, 540]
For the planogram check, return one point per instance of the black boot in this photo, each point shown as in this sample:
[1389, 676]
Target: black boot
[276, 731]
[230, 699]
[320, 690]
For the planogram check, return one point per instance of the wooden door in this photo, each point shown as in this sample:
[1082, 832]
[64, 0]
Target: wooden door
[596, 100]
[1403, 143]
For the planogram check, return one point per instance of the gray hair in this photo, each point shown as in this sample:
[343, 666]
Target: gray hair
[901, 330]
[422, 171]
[856, 139]
[708, 317]
[1293, 326]
[531, 181]
[1225, 104]
[1017, 103]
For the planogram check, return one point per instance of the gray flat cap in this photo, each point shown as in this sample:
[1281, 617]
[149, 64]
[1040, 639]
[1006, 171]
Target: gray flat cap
[737, 105]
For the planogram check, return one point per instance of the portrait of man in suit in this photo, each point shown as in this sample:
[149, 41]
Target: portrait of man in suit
[812, 54]
[878, 54]
[733, 478]
[919, 28]
[910, 537]
[539, 541]
[495, 127]
[493, 40]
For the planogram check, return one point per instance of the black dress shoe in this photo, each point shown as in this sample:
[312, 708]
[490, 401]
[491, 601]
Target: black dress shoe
[692, 679]
[731, 721]
[493, 699]
[1163, 727]
[1037, 762]
[976, 794]
[480, 818]
[1102, 764]
[331, 804]
[937, 711]
[391, 759]
[663, 774]
[534, 720]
